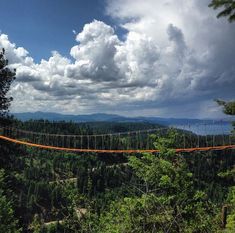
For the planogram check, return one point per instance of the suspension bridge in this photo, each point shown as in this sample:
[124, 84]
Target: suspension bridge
[139, 141]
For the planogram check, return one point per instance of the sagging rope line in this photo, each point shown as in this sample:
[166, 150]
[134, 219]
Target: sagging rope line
[178, 150]
[147, 131]
[88, 135]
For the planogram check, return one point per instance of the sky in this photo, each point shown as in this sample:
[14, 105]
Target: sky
[168, 58]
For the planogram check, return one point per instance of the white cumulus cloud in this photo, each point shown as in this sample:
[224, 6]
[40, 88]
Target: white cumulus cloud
[175, 58]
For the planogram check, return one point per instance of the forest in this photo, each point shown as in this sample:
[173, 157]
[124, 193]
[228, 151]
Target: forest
[50, 191]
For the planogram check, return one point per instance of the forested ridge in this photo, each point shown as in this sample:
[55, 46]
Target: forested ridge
[48, 191]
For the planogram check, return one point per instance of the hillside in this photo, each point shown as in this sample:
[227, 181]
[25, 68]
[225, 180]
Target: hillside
[50, 116]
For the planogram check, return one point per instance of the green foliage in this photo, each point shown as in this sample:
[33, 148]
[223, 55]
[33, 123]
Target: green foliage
[228, 107]
[230, 202]
[228, 8]
[231, 217]
[36, 224]
[8, 224]
[6, 78]
[151, 193]
[164, 200]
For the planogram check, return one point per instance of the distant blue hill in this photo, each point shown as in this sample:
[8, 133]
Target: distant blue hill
[110, 118]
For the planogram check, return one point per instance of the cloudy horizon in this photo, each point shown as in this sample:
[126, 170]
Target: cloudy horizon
[151, 58]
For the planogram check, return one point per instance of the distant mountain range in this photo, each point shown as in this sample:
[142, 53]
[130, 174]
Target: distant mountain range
[50, 116]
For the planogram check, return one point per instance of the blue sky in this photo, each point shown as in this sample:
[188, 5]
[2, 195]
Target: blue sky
[45, 25]
[167, 58]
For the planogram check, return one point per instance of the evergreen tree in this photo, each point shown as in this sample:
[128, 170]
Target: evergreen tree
[228, 11]
[6, 78]
[229, 109]
[165, 200]
[8, 223]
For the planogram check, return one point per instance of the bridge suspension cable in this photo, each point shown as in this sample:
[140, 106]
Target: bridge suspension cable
[128, 151]
[137, 141]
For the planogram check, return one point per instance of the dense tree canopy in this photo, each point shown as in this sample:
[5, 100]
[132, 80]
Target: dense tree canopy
[165, 200]
[229, 109]
[8, 224]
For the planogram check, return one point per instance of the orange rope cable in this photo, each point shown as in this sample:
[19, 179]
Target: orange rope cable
[178, 150]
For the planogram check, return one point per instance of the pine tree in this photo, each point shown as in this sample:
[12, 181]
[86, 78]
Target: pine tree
[6, 78]
[165, 199]
[229, 109]
[8, 223]
[228, 11]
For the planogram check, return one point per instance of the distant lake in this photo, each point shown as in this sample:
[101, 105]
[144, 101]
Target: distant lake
[207, 129]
